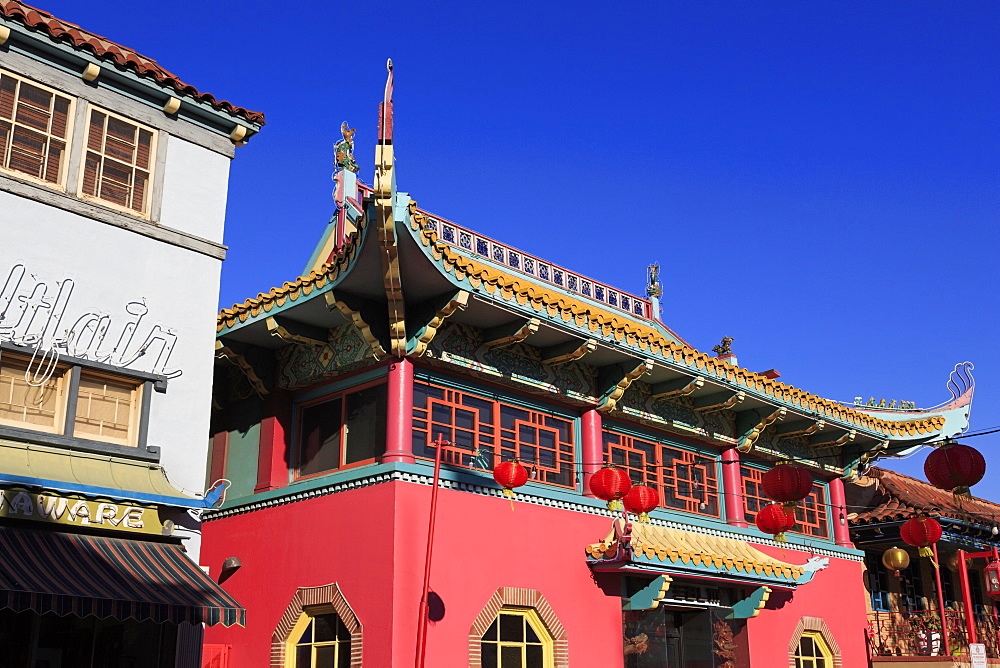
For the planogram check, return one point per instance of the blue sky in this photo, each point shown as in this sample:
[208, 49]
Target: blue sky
[818, 180]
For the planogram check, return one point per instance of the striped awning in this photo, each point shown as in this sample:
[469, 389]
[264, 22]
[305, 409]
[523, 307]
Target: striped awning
[67, 573]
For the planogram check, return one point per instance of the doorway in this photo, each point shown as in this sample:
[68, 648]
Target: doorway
[670, 637]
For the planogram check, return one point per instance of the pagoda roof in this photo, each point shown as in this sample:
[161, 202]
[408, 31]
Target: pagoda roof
[888, 496]
[122, 56]
[401, 272]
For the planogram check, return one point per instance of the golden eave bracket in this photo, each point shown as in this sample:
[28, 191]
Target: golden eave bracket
[614, 379]
[833, 441]
[510, 333]
[291, 331]
[680, 387]
[222, 351]
[800, 428]
[570, 351]
[351, 308]
[750, 425]
[719, 401]
[431, 315]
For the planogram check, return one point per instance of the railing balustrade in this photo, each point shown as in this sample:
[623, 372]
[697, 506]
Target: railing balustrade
[920, 633]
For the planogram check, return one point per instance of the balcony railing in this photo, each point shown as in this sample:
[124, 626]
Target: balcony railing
[921, 633]
[521, 262]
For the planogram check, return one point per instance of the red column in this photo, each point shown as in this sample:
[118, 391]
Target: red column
[838, 505]
[970, 617]
[592, 447]
[732, 487]
[399, 413]
[217, 470]
[275, 458]
[940, 600]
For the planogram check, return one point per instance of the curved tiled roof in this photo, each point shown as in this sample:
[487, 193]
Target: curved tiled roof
[105, 49]
[900, 497]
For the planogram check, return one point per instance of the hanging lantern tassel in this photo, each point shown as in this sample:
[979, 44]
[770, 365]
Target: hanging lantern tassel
[510, 475]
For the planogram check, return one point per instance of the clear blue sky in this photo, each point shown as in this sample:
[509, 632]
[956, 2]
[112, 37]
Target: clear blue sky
[818, 180]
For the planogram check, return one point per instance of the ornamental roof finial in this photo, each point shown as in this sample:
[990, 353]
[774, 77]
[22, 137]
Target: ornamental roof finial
[344, 150]
[653, 287]
[725, 347]
[385, 109]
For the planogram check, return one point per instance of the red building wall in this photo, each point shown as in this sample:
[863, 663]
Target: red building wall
[371, 541]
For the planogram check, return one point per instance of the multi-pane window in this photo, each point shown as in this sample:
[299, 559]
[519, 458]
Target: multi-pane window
[83, 404]
[911, 588]
[27, 398]
[106, 409]
[325, 643]
[810, 513]
[34, 129]
[878, 581]
[813, 652]
[685, 480]
[341, 430]
[483, 431]
[516, 639]
[118, 161]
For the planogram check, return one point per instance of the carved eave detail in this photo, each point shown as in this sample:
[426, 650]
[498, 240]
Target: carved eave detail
[510, 333]
[438, 314]
[750, 425]
[833, 442]
[617, 378]
[364, 327]
[800, 429]
[719, 401]
[222, 351]
[672, 389]
[291, 332]
[568, 352]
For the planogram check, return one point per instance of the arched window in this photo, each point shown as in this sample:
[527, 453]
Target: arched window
[318, 630]
[518, 638]
[813, 652]
[812, 645]
[320, 640]
[517, 627]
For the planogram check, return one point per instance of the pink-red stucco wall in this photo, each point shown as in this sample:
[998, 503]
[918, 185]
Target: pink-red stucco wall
[371, 541]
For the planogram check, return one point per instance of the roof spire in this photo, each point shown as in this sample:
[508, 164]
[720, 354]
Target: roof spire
[653, 288]
[385, 109]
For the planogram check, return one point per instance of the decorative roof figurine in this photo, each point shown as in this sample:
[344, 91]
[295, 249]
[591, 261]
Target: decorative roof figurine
[344, 150]
[653, 287]
[724, 348]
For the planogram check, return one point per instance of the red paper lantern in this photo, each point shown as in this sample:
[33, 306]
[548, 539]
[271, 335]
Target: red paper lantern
[787, 483]
[921, 532]
[510, 475]
[640, 500]
[611, 484]
[776, 519]
[955, 467]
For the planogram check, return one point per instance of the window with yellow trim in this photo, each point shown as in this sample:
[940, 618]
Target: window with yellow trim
[34, 129]
[319, 640]
[107, 409]
[813, 652]
[28, 399]
[517, 639]
[118, 162]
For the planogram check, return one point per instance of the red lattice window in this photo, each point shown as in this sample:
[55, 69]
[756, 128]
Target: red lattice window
[484, 431]
[810, 514]
[685, 480]
[34, 129]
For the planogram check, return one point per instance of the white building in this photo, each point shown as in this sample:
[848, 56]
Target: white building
[113, 184]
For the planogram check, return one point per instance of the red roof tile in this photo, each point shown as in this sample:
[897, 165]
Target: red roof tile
[884, 496]
[101, 47]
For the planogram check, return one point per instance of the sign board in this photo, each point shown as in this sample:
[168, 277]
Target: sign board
[70, 509]
[978, 653]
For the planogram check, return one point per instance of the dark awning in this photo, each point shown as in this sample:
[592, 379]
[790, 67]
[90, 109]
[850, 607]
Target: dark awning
[69, 573]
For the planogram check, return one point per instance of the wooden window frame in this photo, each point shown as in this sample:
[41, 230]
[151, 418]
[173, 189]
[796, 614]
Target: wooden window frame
[658, 474]
[62, 390]
[516, 598]
[135, 411]
[63, 177]
[489, 438]
[147, 206]
[316, 600]
[531, 618]
[297, 441]
[818, 498]
[817, 628]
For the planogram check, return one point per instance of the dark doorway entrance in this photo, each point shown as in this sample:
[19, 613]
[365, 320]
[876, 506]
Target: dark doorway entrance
[670, 637]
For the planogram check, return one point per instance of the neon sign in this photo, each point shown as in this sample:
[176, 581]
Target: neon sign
[33, 314]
